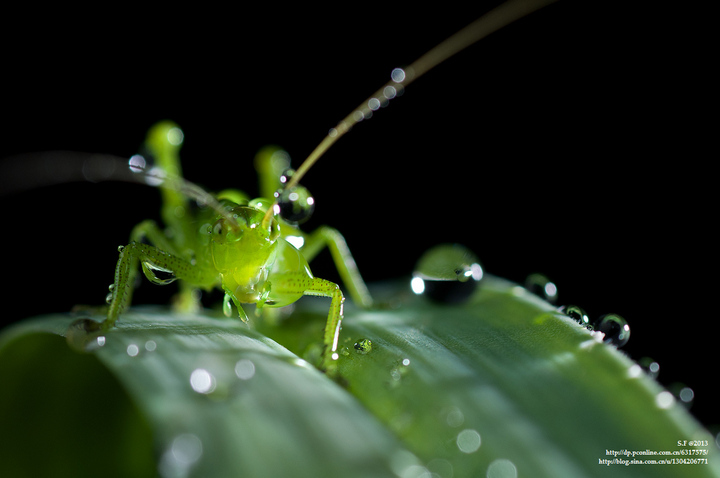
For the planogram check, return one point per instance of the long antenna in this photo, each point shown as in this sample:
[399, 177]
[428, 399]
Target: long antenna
[492, 21]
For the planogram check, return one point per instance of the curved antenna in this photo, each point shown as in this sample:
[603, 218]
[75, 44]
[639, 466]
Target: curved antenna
[492, 21]
[183, 186]
[28, 171]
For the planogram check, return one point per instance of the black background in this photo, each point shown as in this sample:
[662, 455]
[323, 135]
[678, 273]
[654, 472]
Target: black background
[570, 143]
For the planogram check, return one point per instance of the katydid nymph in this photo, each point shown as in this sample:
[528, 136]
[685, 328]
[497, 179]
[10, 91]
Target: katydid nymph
[247, 247]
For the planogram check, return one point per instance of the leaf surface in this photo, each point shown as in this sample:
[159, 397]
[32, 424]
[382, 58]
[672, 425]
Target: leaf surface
[501, 386]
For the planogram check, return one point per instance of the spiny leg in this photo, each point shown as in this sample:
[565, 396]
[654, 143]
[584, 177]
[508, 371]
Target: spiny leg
[152, 259]
[296, 284]
[187, 299]
[344, 261]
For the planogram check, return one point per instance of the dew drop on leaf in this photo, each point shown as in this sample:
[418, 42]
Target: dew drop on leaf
[615, 328]
[541, 286]
[83, 334]
[448, 273]
[651, 367]
[502, 468]
[363, 346]
[577, 314]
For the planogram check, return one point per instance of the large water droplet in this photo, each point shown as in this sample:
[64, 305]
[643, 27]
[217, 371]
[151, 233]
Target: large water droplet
[447, 273]
[615, 328]
[541, 286]
[296, 204]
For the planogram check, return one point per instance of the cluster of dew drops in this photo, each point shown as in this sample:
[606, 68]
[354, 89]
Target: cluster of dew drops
[451, 273]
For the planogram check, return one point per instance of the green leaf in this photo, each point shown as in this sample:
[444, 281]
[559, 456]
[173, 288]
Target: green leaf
[503, 385]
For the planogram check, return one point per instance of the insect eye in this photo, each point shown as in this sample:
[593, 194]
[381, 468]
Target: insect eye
[296, 204]
[217, 231]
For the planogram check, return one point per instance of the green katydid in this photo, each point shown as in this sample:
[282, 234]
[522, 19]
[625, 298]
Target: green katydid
[244, 246]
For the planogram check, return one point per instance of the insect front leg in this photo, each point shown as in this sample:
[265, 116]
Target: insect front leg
[153, 259]
[344, 262]
[293, 284]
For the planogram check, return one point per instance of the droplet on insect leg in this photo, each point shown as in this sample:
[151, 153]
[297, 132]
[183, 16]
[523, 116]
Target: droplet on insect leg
[447, 273]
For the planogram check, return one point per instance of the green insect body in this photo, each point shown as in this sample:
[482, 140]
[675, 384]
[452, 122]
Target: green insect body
[246, 247]
[239, 245]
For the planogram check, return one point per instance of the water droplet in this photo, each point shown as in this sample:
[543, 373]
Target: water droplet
[108, 298]
[202, 381]
[664, 399]
[156, 274]
[175, 136]
[615, 328]
[133, 350]
[227, 305]
[296, 204]
[398, 75]
[447, 273]
[374, 104]
[363, 346]
[403, 463]
[390, 92]
[651, 367]
[577, 314]
[686, 394]
[83, 335]
[468, 441]
[245, 369]
[634, 371]
[150, 345]
[120, 248]
[137, 163]
[183, 453]
[111, 287]
[454, 417]
[541, 286]
[502, 468]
